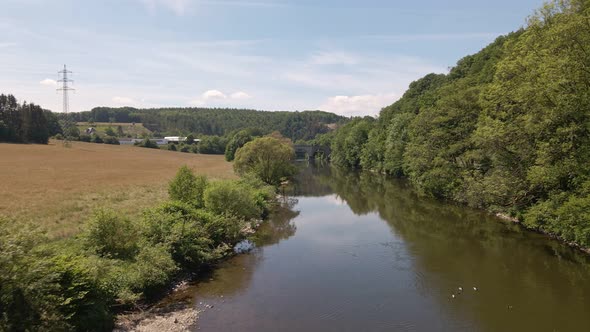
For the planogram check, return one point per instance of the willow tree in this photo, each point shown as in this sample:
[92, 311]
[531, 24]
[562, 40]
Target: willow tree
[268, 158]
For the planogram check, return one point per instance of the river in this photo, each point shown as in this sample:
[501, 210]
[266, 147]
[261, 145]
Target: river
[362, 252]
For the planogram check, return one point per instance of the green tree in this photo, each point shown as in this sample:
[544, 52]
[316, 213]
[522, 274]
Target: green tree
[110, 132]
[267, 158]
[187, 187]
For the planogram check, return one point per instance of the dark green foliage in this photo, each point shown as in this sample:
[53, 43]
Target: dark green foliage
[190, 139]
[94, 138]
[508, 129]
[85, 138]
[187, 187]
[212, 145]
[110, 132]
[236, 141]
[41, 289]
[184, 148]
[147, 143]
[349, 141]
[112, 235]
[268, 158]
[111, 140]
[232, 198]
[25, 123]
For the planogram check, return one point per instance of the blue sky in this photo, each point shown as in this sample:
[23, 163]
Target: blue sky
[348, 57]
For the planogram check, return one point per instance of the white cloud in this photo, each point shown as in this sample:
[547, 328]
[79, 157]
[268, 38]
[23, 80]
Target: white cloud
[240, 95]
[213, 94]
[124, 100]
[358, 105]
[48, 82]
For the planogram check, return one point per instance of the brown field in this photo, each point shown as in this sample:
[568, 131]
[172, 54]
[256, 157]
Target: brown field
[58, 187]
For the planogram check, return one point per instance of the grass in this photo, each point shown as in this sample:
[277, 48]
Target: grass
[133, 129]
[58, 187]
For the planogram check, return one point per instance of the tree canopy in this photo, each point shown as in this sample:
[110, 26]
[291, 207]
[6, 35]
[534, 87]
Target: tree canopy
[268, 158]
[508, 129]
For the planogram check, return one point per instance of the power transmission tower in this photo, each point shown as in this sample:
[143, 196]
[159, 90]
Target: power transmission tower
[67, 124]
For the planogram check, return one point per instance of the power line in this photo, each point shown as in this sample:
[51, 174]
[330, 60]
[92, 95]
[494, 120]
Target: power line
[63, 78]
[65, 88]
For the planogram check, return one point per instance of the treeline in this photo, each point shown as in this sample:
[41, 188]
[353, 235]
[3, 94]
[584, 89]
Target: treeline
[508, 129]
[25, 123]
[217, 121]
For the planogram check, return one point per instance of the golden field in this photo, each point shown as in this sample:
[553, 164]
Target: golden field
[57, 187]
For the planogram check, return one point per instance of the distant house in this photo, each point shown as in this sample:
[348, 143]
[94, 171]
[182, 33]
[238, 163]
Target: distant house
[178, 139]
[90, 131]
[131, 141]
[175, 139]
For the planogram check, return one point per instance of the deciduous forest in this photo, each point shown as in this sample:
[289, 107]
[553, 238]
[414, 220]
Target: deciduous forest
[507, 129]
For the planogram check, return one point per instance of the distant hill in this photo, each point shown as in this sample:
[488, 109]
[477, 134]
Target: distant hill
[218, 121]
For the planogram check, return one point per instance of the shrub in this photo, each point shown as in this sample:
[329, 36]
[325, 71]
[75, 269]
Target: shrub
[187, 188]
[147, 143]
[94, 138]
[84, 138]
[44, 290]
[59, 137]
[184, 148]
[171, 147]
[233, 198]
[225, 229]
[112, 235]
[179, 227]
[111, 140]
[152, 268]
[268, 158]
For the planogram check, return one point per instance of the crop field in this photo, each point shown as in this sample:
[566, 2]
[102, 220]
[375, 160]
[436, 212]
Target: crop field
[58, 187]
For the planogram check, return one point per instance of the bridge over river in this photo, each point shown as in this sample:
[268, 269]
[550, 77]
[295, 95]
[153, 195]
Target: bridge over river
[311, 151]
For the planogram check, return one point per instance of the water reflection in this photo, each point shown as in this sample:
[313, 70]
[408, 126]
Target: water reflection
[360, 251]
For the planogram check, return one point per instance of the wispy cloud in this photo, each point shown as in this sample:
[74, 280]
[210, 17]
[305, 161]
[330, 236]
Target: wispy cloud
[358, 105]
[48, 82]
[240, 95]
[214, 94]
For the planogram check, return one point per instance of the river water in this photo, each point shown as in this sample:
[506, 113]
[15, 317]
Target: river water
[362, 252]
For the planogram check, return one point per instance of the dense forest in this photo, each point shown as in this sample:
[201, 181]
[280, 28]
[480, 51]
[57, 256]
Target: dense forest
[217, 121]
[25, 123]
[507, 129]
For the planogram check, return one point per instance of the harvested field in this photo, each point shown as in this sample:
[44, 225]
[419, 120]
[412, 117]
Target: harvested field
[58, 187]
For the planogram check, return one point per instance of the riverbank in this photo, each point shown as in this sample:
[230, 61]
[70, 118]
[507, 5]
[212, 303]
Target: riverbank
[171, 319]
[540, 231]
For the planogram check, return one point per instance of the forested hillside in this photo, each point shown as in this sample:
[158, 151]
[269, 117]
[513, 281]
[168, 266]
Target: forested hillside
[508, 129]
[217, 121]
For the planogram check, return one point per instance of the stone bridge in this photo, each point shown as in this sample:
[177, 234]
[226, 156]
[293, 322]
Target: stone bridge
[310, 151]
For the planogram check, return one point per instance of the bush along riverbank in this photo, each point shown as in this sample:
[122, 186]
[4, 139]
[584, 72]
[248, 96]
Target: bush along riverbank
[116, 263]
